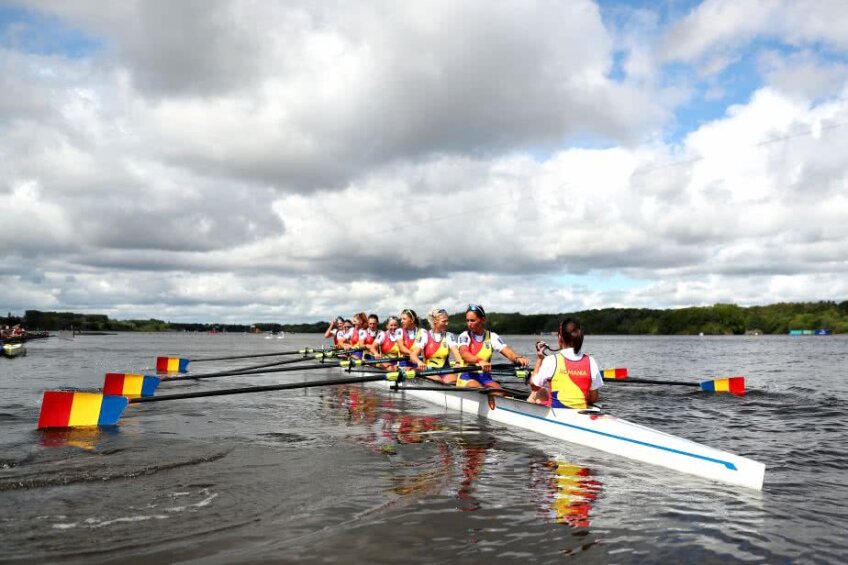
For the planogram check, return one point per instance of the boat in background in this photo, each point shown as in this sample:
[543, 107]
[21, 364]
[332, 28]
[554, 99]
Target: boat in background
[11, 350]
[822, 331]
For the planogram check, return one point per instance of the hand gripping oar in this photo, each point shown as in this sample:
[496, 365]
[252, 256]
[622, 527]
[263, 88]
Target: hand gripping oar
[69, 409]
[400, 375]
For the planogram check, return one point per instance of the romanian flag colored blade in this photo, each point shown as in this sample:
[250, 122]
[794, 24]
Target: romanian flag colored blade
[130, 385]
[733, 385]
[614, 374]
[69, 409]
[171, 365]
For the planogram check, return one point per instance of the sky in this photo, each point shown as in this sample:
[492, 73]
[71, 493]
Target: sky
[259, 161]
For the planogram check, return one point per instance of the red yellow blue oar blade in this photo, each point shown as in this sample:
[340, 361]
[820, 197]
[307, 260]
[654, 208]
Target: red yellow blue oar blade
[614, 374]
[71, 409]
[733, 385]
[171, 365]
[130, 385]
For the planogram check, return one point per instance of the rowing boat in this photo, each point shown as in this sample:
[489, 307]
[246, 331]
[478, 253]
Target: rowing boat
[13, 350]
[596, 429]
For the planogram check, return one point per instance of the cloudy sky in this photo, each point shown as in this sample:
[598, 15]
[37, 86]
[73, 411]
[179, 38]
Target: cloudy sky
[253, 161]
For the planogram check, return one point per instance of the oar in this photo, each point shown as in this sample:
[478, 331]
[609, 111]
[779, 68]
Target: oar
[180, 364]
[733, 385]
[70, 409]
[138, 385]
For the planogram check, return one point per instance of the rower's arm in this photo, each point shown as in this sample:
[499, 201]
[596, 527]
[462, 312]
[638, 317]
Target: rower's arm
[413, 356]
[467, 356]
[514, 357]
[329, 333]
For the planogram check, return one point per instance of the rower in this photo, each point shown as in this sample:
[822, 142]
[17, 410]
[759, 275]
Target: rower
[386, 342]
[410, 331]
[335, 330]
[436, 345]
[353, 338]
[372, 328]
[476, 347]
[569, 378]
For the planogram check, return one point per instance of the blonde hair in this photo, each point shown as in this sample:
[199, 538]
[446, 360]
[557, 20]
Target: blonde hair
[433, 314]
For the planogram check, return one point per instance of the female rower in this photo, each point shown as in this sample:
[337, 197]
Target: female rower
[476, 347]
[436, 344]
[335, 330]
[569, 378]
[371, 329]
[410, 331]
[386, 342]
[352, 339]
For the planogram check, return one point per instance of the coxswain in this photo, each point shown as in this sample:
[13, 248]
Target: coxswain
[568, 378]
[476, 347]
[435, 346]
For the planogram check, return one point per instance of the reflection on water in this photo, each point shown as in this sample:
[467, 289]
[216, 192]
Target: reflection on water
[568, 491]
[82, 438]
[565, 492]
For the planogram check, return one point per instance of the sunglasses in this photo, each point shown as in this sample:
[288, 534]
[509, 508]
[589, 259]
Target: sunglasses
[476, 309]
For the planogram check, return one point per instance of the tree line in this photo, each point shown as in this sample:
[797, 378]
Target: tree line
[719, 319]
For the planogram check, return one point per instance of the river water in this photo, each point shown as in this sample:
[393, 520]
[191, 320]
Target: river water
[350, 474]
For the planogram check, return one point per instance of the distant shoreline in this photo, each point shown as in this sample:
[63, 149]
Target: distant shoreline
[719, 319]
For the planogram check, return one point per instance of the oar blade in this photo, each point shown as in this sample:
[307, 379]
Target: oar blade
[171, 365]
[130, 385]
[733, 385]
[72, 409]
[619, 373]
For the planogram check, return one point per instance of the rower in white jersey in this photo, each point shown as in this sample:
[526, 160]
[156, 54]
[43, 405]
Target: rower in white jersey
[369, 334]
[386, 342]
[410, 330]
[353, 340]
[335, 331]
[477, 345]
[436, 346]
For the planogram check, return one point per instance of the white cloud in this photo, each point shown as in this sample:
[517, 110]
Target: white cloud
[295, 161]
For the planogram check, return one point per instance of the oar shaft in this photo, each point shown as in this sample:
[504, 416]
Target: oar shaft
[229, 357]
[266, 388]
[651, 382]
[256, 371]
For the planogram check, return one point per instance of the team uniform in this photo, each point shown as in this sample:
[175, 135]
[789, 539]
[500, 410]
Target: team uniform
[357, 339]
[408, 338]
[366, 339]
[483, 347]
[568, 377]
[435, 348]
[387, 343]
[337, 335]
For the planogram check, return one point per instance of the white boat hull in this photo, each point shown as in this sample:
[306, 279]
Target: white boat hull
[604, 432]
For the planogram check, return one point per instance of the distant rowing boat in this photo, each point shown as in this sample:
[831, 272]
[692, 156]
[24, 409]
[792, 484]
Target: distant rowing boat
[11, 350]
[598, 430]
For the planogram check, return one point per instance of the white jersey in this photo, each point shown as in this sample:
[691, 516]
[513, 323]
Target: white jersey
[546, 370]
[394, 336]
[425, 336]
[466, 337]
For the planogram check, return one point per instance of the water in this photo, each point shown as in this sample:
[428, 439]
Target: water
[352, 474]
